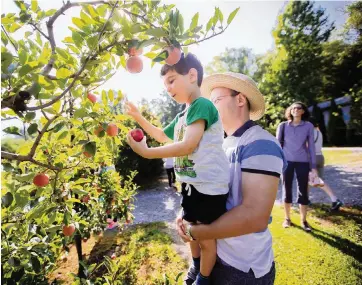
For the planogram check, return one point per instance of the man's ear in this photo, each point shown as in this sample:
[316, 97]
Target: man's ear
[193, 75]
[242, 101]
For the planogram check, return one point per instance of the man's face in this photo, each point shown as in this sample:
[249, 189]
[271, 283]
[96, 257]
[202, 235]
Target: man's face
[223, 101]
[178, 86]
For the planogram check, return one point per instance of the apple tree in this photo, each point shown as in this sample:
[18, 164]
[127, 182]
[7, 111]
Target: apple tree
[51, 191]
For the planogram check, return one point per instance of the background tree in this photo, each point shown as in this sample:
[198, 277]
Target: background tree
[240, 60]
[166, 108]
[336, 126]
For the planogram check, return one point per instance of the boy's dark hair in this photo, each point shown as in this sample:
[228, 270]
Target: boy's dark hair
[184, 65]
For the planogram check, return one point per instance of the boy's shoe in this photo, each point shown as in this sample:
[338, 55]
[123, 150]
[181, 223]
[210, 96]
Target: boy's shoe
[191, 275]
[287, 223]
[336, 205]
[201, 280]
[306, 226]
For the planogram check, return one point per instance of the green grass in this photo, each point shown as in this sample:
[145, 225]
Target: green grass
[341, 157]
[331, 254]
[146, 254]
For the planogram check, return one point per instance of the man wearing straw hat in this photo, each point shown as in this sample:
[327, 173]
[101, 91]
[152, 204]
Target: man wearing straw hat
[244, 242]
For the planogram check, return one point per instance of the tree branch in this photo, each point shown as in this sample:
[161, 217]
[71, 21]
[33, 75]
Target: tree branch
[40, 135]
[40, 31]
[13, 156]
[9, 38]
[204, 39]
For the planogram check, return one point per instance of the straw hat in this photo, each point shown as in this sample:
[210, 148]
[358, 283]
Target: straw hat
[238, 82]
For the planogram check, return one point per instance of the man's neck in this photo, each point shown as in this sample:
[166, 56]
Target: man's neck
[234, 124]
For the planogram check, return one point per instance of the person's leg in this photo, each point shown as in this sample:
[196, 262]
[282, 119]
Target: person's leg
[288, 177]
[208, 254]
[302, 171]
[169, 171]
[173, 175]
[194, 269]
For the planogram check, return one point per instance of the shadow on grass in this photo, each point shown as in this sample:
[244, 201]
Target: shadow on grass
[346, 246]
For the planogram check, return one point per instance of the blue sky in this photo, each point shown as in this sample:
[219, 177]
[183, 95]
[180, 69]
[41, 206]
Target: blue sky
[251, 28]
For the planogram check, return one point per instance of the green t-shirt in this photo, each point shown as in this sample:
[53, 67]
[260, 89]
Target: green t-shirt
[207, 168]
[200, 109]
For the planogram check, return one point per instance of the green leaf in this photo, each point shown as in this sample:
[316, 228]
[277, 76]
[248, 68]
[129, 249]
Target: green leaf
[62, 52]
[77, 39]
[25, 177]
[221, 16]
[147, 43]
[194, 21]
[63, 135]
[37, 212]
[21, 198]
[90, 147]
[123, 61]
[25, 69]
[7, 200]
[6, 60]
[12, 130]
[232, 15]
[50, 12]
[56, 106]
[209, 24]
[109, 144]
[86, 19]
[30, 116]
[58, 127]
[23, 56]
[161, 57]
[104, 97]
[78, 22]
[34, 5]
[111, 95]
[33, 128]
[14, 27]
[63, 73]
[80, 113]
[156, 32]
[180, 23]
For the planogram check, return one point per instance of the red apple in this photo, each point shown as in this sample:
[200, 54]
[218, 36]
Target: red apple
[87, 154]
[112, 130]
[41, 180]
[134, 64]
[174, 55]
[92, 97]
[133, 51]
[137, 135]
[86, 199]
[113, 256]
[68, 230]
[98, 130]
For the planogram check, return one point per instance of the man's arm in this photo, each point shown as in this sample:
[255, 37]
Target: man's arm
[191, 140]
[259, 193]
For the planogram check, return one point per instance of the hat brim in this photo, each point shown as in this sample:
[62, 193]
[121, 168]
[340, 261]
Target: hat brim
[254, 96]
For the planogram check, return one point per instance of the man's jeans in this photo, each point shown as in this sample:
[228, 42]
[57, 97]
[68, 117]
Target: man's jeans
[223, 274]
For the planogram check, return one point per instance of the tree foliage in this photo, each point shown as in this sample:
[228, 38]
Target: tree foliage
[45, 83]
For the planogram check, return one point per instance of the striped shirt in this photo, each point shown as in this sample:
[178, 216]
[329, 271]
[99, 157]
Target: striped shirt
[250, 149]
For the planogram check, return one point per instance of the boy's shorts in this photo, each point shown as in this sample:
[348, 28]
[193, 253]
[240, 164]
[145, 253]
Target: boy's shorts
[199, 207]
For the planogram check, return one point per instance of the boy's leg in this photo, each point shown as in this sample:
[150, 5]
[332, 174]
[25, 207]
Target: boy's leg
[194, 269]
[208, 253]
[173, 175]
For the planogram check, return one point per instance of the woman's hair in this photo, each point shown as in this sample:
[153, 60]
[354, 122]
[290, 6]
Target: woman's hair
[305, 116]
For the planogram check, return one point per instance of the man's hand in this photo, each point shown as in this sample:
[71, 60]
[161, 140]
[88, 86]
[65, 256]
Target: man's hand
[140, 148]
[132, 110]
[181, 229]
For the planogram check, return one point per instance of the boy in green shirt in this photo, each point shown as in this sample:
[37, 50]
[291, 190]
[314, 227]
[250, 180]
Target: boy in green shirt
[200, 162]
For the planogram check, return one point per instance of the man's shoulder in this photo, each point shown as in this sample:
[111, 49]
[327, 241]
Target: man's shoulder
[257, 133]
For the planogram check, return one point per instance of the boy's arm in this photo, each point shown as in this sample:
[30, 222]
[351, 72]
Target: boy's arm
[150, 129]
[193, 135]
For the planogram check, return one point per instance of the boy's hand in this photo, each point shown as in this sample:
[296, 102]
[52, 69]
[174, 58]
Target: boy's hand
[132, 110]
[138, 147]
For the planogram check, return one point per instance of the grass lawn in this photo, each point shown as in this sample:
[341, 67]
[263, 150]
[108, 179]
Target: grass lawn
[342, 156]
[331, 254]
